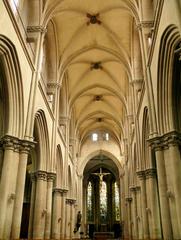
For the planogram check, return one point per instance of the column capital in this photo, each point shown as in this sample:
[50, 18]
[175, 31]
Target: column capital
[150, 173]
[145, 24]
[41, 175]
[26, 146]
[70, 201]
[10, 142]
[36, 29]
[156, 143]
[132, 188]
[135, 188]
[60, 191]
[141, 174]
[51, 176]
[172, 138]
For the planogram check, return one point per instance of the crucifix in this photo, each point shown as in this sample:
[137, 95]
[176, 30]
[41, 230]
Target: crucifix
[100, 175]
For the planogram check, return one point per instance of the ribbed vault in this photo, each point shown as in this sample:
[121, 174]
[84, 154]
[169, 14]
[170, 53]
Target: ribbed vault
[95, 54]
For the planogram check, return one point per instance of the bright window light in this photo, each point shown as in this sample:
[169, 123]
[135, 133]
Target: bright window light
[94, 137]
[14, 4]
[107, 136]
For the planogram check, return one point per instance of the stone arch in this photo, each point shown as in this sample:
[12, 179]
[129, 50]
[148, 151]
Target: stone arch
[59, 167]
[70, 182]
[103, 152]
[145, 135]
[167, 80]
[12, 104]
[41, 137]
[50, 58]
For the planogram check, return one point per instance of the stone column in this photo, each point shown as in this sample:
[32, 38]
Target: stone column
[174, 142]
[129, 200]
[63, 214]
[32, 204]
[50, 179]
[8, 184]
[40, 210]
[68, 222]
[56, 218]
[72, 216]
[155, 227]
[141, 175]
[18, 207]
[170, 192]
[134, 203]
[1, 159]
[162, 186]
[138, 217]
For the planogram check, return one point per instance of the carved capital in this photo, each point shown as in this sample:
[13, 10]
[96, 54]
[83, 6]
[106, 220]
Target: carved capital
[58, 191]
[70, 201]
[51, 176]
[36, 29]
[150, 173]
[132, 189]
[26, 146]
[41, 175]
[156, 143]
[141, 174]
[10, 143]
[165, 141]
[172, 138]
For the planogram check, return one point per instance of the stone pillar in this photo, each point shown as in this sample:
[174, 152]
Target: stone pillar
[32, 204]
[141, 175]
[18, 207]
[129, 200]
[134, 204]
[139, 213]
[155, 227]
[68, 222]
[63, 214]
[162, 186]
[50, 179]
[72, 217]
[56, 218]
[8, 184]
[1, 159]
[40, 210]
[174, 142]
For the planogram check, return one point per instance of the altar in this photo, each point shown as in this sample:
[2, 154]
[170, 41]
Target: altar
[103, 235]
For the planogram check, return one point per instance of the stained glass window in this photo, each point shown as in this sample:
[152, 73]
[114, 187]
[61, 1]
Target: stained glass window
[117, 212]
[103, 201]
[89, 202]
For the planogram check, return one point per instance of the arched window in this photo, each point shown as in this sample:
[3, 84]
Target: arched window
[89, 202]
[103, 201]
[117, 211]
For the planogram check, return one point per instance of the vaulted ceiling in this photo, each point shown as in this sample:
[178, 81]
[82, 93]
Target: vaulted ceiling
[94, 41]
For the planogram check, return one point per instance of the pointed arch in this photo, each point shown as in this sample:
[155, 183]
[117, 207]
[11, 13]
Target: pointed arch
[42, 138]
[59, 167]
[70, 182]
[145, 137]
[103, 152]
[11, 80]
[169, 46]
